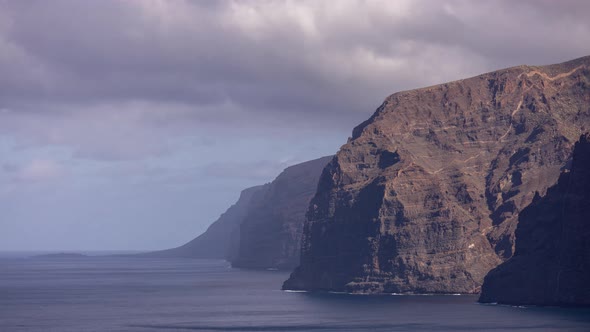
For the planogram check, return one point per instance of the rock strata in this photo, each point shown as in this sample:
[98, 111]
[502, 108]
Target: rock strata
[551, 264]
[425, 196]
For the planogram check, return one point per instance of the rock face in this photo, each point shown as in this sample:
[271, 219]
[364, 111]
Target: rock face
[425, 196]
[551, 264]
[220, 240]
[263, 229]
[270, 234]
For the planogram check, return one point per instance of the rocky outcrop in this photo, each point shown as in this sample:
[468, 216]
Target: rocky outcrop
[425, 196]
[263, 229]
[270, 234]
[551, 264]
[221, 239]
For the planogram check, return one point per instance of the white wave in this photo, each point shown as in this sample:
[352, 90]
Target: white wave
[294, 291]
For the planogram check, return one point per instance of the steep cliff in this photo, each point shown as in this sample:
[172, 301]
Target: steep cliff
[221, 239]
[551, 264]
[425, 196]
[263, 229]
[270, 234]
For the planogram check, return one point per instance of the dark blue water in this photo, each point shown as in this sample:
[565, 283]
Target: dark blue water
[124, 294]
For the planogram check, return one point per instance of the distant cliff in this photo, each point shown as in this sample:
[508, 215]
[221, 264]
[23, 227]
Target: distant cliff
[270, 234]
[263, 229]
[220, 240]
[425, 196]
[551, 265]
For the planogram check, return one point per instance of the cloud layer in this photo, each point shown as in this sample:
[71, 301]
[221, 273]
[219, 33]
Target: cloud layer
[222, 94]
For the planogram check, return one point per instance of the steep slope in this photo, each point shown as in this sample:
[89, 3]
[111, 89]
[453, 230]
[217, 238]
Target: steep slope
[425, 196]
[263, 229]
[220, 240]
[551, 264]
[270, 234]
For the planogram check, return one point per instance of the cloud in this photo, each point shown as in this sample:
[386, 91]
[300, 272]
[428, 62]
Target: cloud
[157, 66]
[304, 56]
[184, 98]
[35, 170]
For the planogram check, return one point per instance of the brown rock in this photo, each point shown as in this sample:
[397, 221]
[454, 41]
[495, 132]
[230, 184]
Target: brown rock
[425, 196]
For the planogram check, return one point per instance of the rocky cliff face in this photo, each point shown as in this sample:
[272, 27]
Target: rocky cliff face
[270, 234]
[425, 196]
[263, 229]
[221, 239]
[551, 264]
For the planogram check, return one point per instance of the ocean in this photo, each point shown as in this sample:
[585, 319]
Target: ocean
[142, 294]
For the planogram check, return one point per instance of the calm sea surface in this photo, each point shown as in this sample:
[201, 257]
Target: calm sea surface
[130, 294]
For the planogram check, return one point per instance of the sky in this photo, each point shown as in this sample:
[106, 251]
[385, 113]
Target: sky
[132, 125]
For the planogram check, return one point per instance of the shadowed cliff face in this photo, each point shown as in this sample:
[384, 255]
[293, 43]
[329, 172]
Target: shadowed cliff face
[425, 196]
[551, 265]
[270, 234]
[263, 229]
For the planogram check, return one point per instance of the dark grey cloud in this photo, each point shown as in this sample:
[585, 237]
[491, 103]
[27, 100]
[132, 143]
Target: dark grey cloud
[314, 58]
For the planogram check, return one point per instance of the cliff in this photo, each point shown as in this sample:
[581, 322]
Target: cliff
[263, 229]
[551, 264]
[270, 234]
[425, 196]
[220, 240]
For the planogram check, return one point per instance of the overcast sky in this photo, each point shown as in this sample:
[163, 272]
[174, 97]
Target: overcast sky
[134, 124]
